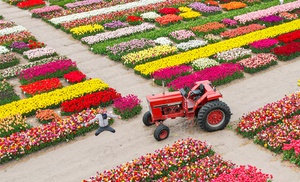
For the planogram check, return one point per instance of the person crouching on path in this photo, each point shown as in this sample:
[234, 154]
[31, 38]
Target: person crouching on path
[102, 117]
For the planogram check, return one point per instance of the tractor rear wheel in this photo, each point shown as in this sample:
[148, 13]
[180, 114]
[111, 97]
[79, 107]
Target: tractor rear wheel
[161, 132]
[214, 115]
[147, 120]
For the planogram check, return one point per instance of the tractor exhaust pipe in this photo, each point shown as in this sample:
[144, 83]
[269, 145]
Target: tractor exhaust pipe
[163, 84]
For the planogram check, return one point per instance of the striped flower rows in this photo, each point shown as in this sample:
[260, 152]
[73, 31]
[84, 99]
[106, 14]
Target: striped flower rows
[148, 68]
[107, 10]
[27, 141]
[275, 126]
[266, 12]
[45, 90]
[42, 101]
[255, 121]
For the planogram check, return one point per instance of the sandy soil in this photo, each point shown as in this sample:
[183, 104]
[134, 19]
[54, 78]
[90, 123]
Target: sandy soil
[81, 158]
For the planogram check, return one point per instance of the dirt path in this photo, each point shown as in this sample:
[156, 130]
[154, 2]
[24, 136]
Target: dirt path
[82, 157]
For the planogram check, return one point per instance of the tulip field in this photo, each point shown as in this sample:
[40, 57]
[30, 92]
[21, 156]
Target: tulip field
[175, 43]
[180, 32]
[41, 77]
[185, 160]
[275, 126]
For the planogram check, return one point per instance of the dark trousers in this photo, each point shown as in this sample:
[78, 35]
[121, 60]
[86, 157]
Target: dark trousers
[106, 128]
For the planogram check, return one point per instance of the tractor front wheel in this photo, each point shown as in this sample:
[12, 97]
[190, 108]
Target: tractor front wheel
[214, 115]
[161, 132]
[147, 120]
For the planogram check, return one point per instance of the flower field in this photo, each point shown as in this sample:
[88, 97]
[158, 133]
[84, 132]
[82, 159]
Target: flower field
[275, 126]
[47, 81]
[178, 24]
[152, 61]
[177, 42]
[186, 160]
[13, 145]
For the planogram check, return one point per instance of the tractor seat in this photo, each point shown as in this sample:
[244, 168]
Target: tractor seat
[199, 92]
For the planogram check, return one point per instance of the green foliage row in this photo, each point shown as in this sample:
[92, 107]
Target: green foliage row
[61, 2]
[9, 64]
[288, 57]
[291, 156]
[8, 96]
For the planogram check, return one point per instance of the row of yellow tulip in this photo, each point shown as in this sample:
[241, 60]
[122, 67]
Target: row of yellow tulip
[81, 30]
[190, 14]
[148, 68]
[140, 56]
[53, 98]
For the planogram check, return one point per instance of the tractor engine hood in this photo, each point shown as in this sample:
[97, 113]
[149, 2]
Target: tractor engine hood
[163, 105]
[165, 97]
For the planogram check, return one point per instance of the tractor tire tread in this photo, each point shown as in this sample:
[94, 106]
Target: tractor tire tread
[158, 131]
[206, 108]
[146, 119]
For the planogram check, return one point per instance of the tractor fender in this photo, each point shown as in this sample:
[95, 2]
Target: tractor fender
[206, 98]
[213, 96]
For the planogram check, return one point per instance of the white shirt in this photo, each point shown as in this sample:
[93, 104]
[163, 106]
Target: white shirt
[102, 122]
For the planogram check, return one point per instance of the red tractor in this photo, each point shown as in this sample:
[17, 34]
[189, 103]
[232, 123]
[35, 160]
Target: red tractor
[201, 102]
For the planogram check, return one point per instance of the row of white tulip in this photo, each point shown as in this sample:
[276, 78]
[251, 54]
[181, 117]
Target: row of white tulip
[163, 41]
[3, 50]
[232, 54]
[11, 30]
[117, 33]
[101, 11]
[185, 46]
[150, 15]
[202, 63]
[39, 52]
